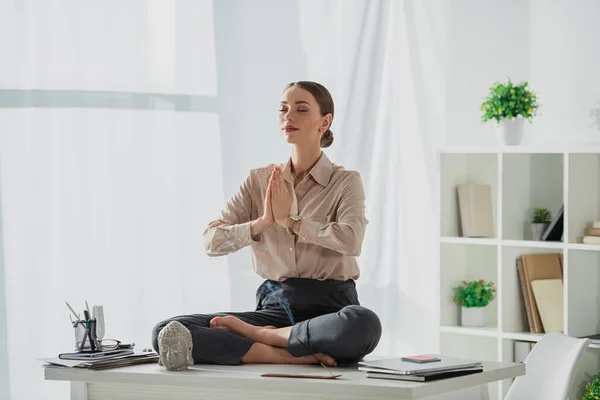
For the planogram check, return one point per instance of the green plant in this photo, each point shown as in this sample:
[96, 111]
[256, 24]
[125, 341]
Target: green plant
[541, 216]
[509, 100]
[592, 389]
[474, 293]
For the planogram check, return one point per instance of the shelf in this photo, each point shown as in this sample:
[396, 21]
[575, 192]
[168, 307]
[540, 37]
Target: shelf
[521, 178]
[492, 332]
[467, 240]
[582, 246]
[533, 243]
[474, 331]
[513, 243]
[558, 149]
[523, 336]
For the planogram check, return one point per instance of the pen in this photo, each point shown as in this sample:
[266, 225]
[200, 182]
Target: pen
[73, 311]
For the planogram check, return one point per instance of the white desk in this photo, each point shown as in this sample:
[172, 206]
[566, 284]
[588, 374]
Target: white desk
[151, 381]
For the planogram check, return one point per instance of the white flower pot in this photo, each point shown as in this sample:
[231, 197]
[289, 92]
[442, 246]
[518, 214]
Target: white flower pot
[473, 316]
[537, 230]
[510, 131]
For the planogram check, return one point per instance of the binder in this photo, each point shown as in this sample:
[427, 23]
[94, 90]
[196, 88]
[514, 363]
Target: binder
[535, 267]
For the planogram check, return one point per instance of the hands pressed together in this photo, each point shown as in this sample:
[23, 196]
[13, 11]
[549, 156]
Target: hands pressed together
[277, 200]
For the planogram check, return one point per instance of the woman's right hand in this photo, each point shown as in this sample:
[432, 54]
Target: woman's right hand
[268, 216]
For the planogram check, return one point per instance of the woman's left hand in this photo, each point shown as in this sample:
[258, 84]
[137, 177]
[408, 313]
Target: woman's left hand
[281, 201]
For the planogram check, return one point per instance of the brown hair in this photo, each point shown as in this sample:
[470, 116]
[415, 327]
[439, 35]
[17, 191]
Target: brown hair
[325, 101]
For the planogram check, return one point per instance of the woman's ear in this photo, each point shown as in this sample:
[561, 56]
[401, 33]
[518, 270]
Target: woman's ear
[326, 123]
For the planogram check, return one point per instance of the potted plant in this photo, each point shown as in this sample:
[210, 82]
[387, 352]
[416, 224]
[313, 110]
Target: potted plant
[509, 105]
[540, 219]
[473, 297]
[592, 389]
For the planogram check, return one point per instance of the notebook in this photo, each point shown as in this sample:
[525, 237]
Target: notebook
[548, 294]
[401, 367]
[476, 211]
[426, 377]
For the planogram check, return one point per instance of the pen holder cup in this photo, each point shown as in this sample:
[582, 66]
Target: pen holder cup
[83, 336]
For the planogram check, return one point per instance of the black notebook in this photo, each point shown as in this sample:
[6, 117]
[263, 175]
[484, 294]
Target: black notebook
[425, 377]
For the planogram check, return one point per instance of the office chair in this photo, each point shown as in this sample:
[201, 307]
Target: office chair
[550, 368]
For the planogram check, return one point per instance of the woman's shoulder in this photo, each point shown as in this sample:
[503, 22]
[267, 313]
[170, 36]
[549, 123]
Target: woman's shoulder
[343, 173]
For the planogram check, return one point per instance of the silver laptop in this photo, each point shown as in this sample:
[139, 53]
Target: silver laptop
[398, 366]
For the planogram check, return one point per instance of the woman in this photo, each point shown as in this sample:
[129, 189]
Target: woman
[305, 223]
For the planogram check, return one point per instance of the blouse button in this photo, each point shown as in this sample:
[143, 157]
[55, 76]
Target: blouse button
[291, 249]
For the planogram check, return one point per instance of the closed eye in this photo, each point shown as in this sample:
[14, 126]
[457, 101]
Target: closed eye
[284, 110]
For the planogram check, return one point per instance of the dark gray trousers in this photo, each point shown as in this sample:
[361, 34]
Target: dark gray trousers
[327, 318]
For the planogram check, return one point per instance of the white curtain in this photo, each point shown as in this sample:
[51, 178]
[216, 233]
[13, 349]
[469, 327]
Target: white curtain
[124, 126]
[382, 61]
[110, 168]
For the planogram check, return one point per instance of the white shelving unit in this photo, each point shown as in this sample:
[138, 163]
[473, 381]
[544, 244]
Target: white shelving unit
[521, 178]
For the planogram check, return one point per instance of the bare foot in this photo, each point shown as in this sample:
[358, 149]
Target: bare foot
[263, 353]
[262, 334]
[236, 325]
[224, 327]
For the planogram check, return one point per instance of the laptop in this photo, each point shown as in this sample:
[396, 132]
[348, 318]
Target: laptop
[398, 366]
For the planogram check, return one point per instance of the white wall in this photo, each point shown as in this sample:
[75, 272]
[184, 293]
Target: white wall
[552, 44]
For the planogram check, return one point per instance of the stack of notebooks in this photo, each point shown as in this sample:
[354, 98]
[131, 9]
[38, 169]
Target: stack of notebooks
[103, 359]
[422, 368]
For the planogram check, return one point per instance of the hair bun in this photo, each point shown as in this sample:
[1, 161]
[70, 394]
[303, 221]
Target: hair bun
[327, 138]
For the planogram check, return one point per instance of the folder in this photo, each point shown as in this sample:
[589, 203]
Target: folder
[535, 267]
[548, 295]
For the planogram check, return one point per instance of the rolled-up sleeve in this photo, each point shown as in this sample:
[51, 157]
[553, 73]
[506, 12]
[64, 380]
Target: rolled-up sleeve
[344, 235]
[231, 231]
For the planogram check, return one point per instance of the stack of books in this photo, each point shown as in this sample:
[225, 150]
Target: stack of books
[592, 233]
[103, 359]
[421, 368]
[541, 280]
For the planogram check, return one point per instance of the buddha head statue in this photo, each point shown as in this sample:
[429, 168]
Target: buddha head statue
[175, 347]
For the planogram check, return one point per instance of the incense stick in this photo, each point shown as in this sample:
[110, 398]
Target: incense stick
[326, 369]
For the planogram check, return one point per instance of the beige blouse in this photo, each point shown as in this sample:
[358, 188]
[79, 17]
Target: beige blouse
[330, 201]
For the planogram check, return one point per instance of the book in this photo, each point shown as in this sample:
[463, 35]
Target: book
[591, 239]
[426, 377]
[475, 207]
[104, 363]
[533, 267]
[420, 359]
[554, 232]
[96, 355]
[548, 295]
[592, 232]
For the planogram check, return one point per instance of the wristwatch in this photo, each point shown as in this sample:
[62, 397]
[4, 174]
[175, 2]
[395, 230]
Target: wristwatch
[291, 220]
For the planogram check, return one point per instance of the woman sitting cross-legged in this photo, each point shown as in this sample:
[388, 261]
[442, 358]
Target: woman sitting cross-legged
[304, 221]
